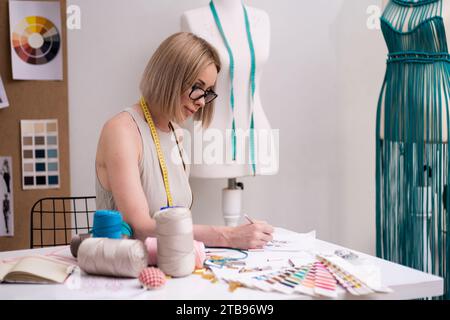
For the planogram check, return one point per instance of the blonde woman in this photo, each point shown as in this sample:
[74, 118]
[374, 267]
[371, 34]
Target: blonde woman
[178, 83]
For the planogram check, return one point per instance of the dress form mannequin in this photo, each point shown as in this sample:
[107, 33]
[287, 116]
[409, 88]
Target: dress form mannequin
[446, 17]
[412, 152]
[201, 23]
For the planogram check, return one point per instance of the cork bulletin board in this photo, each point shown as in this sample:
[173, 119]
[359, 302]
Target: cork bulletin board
[31, 100]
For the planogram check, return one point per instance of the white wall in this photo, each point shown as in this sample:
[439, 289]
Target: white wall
[320, 88]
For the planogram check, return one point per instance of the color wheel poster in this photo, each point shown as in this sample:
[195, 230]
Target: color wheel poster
[36, 40]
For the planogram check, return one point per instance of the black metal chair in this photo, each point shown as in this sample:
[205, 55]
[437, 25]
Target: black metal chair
[55, 220]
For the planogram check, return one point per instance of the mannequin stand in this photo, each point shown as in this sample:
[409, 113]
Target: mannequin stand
[232, 202]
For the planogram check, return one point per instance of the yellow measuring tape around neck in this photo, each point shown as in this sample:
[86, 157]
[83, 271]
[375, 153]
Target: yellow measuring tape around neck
[162, 162]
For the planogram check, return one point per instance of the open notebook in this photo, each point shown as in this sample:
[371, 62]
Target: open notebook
[35, 269]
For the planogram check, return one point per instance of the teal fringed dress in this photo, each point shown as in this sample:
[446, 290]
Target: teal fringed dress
[412, 154]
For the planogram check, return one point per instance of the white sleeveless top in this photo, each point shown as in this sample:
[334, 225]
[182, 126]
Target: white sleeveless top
[150, 171]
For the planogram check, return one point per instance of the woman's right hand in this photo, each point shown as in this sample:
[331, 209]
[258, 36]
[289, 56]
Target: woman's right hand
[250, 236]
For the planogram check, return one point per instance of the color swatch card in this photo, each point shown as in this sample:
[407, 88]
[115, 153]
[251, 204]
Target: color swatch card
[324, 281]
[40, 154]
[313, 280]
[325, 277]
[36, 40]
[290, 264]
[356, 279]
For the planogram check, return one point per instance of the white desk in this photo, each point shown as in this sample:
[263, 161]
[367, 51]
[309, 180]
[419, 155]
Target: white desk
[407, 284]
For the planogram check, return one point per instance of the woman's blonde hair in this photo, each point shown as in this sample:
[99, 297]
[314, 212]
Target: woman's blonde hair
[173, 69]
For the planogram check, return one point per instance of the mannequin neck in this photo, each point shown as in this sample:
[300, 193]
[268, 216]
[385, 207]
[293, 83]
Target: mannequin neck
[228, 5]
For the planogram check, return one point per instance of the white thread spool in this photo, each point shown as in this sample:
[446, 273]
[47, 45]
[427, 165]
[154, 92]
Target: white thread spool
[174, 231]
[112, 257]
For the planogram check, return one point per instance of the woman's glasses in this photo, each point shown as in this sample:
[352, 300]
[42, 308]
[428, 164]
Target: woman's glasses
[197, 93]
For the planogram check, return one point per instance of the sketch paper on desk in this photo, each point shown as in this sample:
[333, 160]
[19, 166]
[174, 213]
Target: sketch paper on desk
[288, 245]
[289, 241]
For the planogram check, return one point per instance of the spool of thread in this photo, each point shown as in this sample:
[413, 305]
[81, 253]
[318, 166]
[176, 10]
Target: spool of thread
[152, 249]
[76, 242]
[175, 248]
[110, 224]
[112, 257]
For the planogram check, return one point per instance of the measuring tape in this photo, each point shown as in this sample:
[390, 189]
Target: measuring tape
[162, 162]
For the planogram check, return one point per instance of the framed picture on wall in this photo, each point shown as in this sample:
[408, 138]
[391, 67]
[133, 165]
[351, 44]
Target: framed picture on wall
[3, 98]
[7, 199]
[36, 40]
